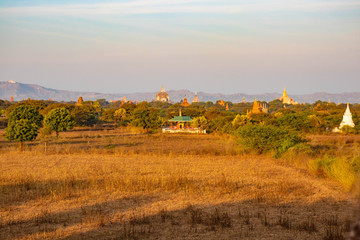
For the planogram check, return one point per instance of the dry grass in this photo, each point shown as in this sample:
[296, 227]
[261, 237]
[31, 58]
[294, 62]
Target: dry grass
[117, 185]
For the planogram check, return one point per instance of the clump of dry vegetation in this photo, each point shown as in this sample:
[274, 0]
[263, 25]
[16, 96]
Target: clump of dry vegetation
[115, 184]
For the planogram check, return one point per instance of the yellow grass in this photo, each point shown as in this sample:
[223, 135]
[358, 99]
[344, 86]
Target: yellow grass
[162, 187]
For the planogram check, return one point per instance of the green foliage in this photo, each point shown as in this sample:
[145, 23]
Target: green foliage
[59, 120]
[50, 107]
[108, 115]
[85, 115]
[337, 168]
[28, 112]
[119, 114]
[23, 123]
[37, 104]
[147, 119]
[348, 130]
[22, 130]
[240, 120]
[200, 122]
[295, 121]
[263, 138]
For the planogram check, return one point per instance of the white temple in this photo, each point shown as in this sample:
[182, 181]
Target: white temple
[347, 120]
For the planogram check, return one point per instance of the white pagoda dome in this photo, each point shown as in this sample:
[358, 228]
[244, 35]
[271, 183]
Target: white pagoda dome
[347, 118]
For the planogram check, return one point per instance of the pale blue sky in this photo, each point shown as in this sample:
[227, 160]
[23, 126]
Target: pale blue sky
[213, 46]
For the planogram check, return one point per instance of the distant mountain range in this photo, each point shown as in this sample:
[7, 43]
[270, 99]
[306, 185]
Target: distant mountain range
[20, 91]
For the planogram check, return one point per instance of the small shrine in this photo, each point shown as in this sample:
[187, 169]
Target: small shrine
[181, 124]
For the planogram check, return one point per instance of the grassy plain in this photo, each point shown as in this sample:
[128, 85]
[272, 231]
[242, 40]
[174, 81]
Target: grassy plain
[117, 184]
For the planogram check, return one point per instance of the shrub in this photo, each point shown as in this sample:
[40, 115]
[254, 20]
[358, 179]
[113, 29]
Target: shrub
[339, 169]
[263, 138]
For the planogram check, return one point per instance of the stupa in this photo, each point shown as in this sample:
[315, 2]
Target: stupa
[286, 100]
[347, 118]
[185, 102]
[196, 99]
[346, 121]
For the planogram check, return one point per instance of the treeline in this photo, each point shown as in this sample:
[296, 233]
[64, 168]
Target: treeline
[277, 130]
[319, 117]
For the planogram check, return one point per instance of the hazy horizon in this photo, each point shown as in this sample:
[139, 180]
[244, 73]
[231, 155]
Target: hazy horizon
[226, 47]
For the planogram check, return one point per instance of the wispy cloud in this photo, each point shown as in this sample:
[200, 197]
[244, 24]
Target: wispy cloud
[181, 6]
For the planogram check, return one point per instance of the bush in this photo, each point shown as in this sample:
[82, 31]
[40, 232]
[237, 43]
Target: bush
[263, 138]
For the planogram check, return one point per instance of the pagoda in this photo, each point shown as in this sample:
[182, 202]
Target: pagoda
[286, 100]
[258, 108]
[196, 99]
[347, 118]
[346, 121]
[185, 102]
[162, 96]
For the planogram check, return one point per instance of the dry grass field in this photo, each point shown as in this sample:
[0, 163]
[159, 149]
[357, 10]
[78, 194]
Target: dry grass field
[117, 184]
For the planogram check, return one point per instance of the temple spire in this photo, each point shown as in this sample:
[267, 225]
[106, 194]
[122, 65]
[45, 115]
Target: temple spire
[284, 93]
[162, 88]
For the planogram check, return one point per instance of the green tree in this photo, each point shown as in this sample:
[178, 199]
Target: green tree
[200, 122]
[119, 114]
[23, 124]
[265, 138]
[85, 115]
[59, 120]
[147, 119]
[240, 120]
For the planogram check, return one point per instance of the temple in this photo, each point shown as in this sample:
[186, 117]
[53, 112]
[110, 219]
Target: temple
[286, 100]
[181, 124]
[196, 99]
[162, 96]
[347, 120]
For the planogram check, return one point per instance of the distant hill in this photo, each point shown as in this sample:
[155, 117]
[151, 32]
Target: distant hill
[22, 91]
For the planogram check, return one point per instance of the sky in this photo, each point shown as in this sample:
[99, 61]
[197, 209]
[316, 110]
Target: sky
[217, 46]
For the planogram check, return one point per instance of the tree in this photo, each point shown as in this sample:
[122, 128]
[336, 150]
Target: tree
[200, 122]
[85, 115]
[23, 125]
[147, 119]
[263, 138]
[59, 120]
[119, 114]
[240, 120]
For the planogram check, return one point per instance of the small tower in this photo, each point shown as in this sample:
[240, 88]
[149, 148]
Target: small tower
[227, 107]
[11, 99]
[244, 101]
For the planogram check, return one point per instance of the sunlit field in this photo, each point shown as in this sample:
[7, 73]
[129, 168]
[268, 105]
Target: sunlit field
[124, 184]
